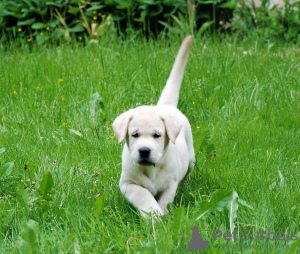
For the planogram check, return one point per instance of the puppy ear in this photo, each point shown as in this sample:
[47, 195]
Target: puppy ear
[120, 125]
[173, 127]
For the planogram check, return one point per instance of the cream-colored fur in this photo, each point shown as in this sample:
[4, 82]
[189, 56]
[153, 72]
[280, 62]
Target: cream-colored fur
[158, 150]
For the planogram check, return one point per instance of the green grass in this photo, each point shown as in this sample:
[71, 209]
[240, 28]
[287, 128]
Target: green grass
[247, 108]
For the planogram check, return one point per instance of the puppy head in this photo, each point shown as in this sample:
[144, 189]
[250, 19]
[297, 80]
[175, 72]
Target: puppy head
[147, 131]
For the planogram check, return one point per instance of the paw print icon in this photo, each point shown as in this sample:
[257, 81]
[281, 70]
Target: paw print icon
[197, 242]
[261, 235]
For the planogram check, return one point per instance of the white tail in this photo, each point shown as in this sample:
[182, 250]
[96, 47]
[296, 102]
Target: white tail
[170, 94]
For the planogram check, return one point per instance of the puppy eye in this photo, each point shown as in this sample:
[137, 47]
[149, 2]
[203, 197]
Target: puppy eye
[135, 135]
[156, 135]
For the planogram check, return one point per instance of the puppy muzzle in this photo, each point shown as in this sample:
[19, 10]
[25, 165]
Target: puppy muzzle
[144, 157]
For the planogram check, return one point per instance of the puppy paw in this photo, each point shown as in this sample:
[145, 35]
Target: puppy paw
[164, 207]
[150, 212]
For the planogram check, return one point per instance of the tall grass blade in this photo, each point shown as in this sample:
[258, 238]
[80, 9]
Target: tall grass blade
[233, 207]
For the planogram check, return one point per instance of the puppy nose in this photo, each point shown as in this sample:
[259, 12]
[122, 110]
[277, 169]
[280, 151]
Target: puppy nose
[144, 152]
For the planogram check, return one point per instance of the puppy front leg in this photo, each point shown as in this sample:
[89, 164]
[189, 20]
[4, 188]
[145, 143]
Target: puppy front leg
[167, 196]
[141, 198]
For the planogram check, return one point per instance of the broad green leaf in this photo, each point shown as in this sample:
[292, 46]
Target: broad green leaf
[94, 8]
[168, 244]
[77, 28]
[169, 2]
[213, 250]
[38, 26]
[58, 33]
[73, 10]
[233, 207]
[99, 204]
[204, 27]
[143, 17]
[26, 22]
[29, 3]
[217, 88]
[210, 149]
[153, 13]
[29, 242]
[2, 150]
[53, 23]
[230, 4]
[211, 2]
[46, 186]
[109, 2]
[205, 139]
[41, 38]
[219, 199]
[104, 179]
[178, 220]
[6, 170]
[124, 5]
[148, 2]
[26, 10]
[76, 132]
[10, 13]
[5, 13]
[75, 2]
[295, 247]
[22, 197]
[40, 12]
[53, 4]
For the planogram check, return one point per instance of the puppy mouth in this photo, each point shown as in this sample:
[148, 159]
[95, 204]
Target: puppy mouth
[145, 162]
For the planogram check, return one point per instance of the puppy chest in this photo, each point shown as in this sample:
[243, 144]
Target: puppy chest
[156, 182]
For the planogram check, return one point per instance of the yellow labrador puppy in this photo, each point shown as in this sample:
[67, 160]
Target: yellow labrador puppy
[158, 151]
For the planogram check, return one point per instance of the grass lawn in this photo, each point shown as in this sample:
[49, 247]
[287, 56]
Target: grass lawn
[60, 163]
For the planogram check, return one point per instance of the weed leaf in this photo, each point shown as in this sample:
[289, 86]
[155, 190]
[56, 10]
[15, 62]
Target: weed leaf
[205, 139]
[210, 150]
[2, 150]
[99, 204]
[178, 216]
[6, 170]
[219, 199]
[22, 197]
[204, 27]
[295, 246]
[76, 132]
[46, 185]
[29, 243]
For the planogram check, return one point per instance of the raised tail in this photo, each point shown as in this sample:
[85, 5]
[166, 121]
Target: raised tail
[170, 94]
